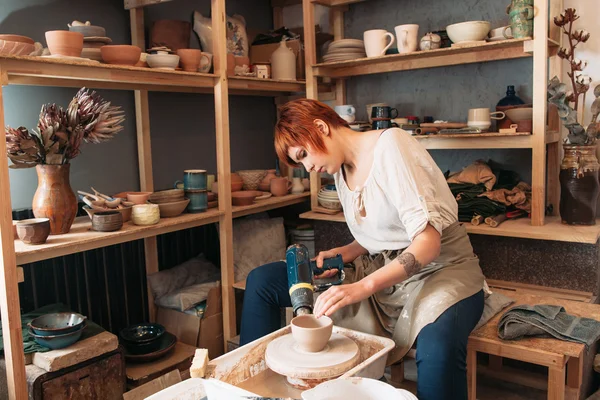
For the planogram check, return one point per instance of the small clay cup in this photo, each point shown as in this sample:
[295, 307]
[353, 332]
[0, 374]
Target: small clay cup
[65, 43]
[280, 186]
[189, 59]
[311, 333]
[33, 231]
[107, 221]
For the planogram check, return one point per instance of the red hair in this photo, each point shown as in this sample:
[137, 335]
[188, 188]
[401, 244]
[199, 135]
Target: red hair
[296, 128]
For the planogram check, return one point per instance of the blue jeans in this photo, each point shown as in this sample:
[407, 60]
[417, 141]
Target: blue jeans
[441, 345]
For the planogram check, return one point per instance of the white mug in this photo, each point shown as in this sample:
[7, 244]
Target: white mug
[481, 118]
[407, 37]
[205, 62]
[375, 42]
[347, 112]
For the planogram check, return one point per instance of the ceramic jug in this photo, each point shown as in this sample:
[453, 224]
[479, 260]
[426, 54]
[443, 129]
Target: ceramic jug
[297, 186]
[520, 17]
[283, 63]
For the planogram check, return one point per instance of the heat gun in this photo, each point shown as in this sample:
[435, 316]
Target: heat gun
[301, 276]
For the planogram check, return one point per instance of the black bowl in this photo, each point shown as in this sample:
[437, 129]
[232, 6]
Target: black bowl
[140, 334]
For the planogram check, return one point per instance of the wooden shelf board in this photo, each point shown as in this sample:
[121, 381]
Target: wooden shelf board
[491, 51]
[27, 70]
[519, 228]
[82, 238]
[129, 4]
[269, 204]
[264, 87]
[335, 3]
[240, 285]
[491, 140]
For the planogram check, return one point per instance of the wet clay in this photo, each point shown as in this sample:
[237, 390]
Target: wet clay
[311, 334]
[578, 197]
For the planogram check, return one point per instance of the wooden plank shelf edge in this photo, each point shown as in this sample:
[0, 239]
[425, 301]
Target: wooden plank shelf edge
[269, 204]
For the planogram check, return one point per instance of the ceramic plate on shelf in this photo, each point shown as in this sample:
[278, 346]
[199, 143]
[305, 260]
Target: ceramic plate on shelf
[102, 39]
[260, 195]
[59, 57]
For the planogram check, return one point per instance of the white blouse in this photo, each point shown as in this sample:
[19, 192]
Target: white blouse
[403, 192]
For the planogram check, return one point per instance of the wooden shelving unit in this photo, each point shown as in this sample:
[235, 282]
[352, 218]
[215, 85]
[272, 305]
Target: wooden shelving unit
[269, 204]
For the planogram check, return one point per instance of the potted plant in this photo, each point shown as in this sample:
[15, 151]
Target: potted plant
[57, 140]
[579, 168]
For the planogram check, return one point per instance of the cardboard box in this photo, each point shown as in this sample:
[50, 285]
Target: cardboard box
[205, 332]
[262, 54]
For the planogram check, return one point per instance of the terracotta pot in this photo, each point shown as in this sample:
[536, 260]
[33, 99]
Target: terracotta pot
[54, 199]
[265, 184]
[579, 186]
[173, 34]
[33, 231]
[243, 198]
[189, 59]
[65, 43]
[280, 186]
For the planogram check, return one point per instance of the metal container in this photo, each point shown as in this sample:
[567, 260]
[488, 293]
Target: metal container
[57, 323]
[59, 341]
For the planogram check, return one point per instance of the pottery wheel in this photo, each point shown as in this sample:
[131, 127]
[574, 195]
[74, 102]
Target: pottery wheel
[285, 357]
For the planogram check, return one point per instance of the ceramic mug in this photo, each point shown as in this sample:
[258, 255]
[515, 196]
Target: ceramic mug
[370, 109]
[280, 186]
[193, 179]
[407, 37]
[375, 42]
[481, 117]
[383, 124]
[205, 62]
[198, 200]
[383, 112]
[346, 112]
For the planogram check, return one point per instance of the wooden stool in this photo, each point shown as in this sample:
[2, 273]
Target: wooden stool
[563, 359]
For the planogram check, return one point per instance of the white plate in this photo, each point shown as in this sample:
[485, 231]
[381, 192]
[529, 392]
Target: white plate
[59, 57]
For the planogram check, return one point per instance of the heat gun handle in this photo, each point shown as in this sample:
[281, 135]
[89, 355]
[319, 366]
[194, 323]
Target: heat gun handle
[328, 263]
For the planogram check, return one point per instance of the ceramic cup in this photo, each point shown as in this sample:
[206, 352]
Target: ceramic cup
[383, 124]
[107, 221]
[370, 109]
[280, 186]
[34, 230]
[481, 118]
[311, 333]
[407, 37]
[347, 112]
[198, 200]
[383, 112]
[193, 179]
[375, 40]
[189, 59]
[205, 62]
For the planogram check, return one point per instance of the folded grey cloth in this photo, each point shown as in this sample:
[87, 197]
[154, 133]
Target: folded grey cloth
[547, 320]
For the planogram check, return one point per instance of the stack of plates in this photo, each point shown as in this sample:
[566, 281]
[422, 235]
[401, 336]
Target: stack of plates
[91, 47]
[328, 198]
[345, 49]
[167, 196]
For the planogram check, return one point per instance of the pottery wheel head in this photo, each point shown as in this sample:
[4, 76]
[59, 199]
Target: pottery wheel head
[285, 357]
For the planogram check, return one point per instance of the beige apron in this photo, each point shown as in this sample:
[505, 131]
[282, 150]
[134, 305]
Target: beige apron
[401, 311]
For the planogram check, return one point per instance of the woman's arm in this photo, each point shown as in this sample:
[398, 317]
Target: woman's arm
[349, 252]
[424, 249]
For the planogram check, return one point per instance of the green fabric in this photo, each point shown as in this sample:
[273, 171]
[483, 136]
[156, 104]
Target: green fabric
[29, 343]
[469, 204]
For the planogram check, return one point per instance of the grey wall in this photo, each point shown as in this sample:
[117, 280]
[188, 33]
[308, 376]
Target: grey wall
[182, 125]
[444, 93]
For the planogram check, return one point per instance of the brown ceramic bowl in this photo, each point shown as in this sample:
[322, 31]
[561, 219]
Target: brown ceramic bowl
[173, 209]
[242, 198]
[33, 231]
[65, 43]
[107, 221]
[121, 54]
[125, 212]
[17, 38]
[311, 333]
[138, 197]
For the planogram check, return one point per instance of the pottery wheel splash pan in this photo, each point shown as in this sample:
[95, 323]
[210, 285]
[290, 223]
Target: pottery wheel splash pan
[302, 368]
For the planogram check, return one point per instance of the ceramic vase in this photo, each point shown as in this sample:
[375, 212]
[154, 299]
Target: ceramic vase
[54, 199]
[520, 16]
[283, 63]
[297, 186]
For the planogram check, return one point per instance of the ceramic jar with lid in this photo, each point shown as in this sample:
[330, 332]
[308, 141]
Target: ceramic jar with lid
[283, 63]
[430, 41]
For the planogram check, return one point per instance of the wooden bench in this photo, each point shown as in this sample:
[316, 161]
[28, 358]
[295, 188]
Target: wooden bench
[567, 362]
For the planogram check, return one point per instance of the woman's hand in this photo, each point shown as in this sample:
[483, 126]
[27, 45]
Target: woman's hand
[319, 259]
[340, 296]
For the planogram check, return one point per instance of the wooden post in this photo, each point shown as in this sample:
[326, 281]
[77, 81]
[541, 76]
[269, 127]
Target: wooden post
[337, 20]
[223, 169]
[472, 373]
[556, 383]
[10, 308]
[538, 140]
[142, 120]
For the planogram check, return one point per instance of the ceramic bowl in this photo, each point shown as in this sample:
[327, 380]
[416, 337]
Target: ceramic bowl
[56, 323]
[172, 209]
[167, 196]
[58, 341]
[138, 197]
[311, 333]
[330, 204]
[356, 388]
[243, 198]
[517, 115]
[17, 38]
[125, 212]
[11, 48]
[89, 30]
[65, 43]
[163, 61]
[145, 214]
[468, 31]
[107, 221]
[251, 178]
[142, 338]
[33, 231]
[120, 54]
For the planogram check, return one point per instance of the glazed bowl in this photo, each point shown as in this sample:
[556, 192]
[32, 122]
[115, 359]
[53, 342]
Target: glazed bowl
[56, 323]
[121, 54]
[142, 338]
[145, 214]
[243, 198]
[138, 197]
[65, 43]
[468, 31]
[107, 221]
[311, 333]
[172, 209]
[163, 61]
[58, 341]
[517, 115]
[33, 231]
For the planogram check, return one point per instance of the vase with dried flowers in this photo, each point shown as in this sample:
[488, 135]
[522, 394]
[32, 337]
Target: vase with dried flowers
[579, 168]
[57, 140]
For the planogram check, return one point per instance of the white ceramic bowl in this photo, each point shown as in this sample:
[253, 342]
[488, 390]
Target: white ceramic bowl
[145, 214]
[356, 388]
[468, 31]
[519, 114]
[163, 61]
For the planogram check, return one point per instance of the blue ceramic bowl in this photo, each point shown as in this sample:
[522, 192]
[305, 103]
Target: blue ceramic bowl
[57, 323]
[58, 341]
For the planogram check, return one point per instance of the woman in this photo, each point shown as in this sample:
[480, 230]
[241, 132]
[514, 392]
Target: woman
[415, 274]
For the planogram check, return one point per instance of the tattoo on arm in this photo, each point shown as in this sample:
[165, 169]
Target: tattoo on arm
[410, 263]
